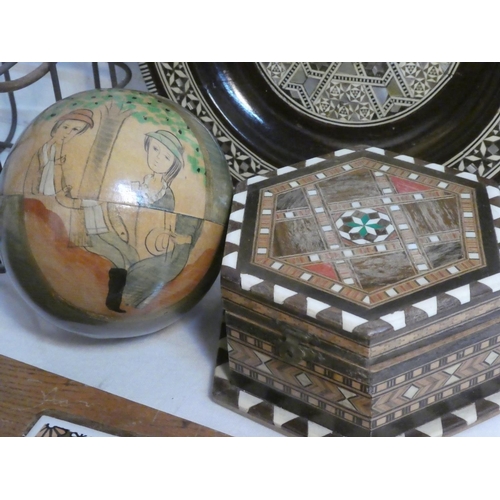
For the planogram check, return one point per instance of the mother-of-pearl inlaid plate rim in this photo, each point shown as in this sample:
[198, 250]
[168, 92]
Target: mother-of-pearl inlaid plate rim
[457, 126]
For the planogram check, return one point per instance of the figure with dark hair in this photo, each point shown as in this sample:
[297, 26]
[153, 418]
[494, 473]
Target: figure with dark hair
[45, 174]
[164, 156]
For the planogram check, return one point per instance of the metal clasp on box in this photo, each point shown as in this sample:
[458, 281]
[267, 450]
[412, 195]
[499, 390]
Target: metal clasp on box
[297, 346]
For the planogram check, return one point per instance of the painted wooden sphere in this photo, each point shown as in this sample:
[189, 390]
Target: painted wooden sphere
[113, 208]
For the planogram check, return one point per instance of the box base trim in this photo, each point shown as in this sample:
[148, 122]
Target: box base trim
[227, 394]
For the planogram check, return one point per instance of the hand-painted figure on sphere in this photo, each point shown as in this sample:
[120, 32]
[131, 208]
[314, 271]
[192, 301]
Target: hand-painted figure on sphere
[97, 226]
[171, 242]
[45, 174]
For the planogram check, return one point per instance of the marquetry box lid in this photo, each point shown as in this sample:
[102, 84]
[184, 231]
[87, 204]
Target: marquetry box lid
[363, 288]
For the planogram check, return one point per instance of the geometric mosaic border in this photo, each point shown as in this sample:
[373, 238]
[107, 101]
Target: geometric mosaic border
[290, 424]
[407, 317]
[386, 210]
[482, 156]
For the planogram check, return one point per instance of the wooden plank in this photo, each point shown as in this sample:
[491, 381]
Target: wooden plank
[27, 392]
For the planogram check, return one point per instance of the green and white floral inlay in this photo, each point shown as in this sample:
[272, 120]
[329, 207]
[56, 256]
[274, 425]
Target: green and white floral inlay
[364, 226]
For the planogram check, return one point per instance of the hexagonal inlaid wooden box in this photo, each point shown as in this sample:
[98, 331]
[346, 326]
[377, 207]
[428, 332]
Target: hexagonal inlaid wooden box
[361, 290]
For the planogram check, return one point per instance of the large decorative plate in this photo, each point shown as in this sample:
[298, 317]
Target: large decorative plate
[269, 115]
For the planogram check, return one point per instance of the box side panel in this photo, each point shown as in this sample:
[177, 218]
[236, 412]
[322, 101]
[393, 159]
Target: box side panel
[452, 369]
[325, 386]
[324, 390]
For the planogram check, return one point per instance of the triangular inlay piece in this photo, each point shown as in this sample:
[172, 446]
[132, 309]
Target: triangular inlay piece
[407, 186]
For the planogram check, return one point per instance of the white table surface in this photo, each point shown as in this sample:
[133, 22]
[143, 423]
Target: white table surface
[171, 370]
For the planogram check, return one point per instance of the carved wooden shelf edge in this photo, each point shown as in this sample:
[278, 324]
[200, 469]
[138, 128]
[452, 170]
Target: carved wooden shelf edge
[27, 392]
